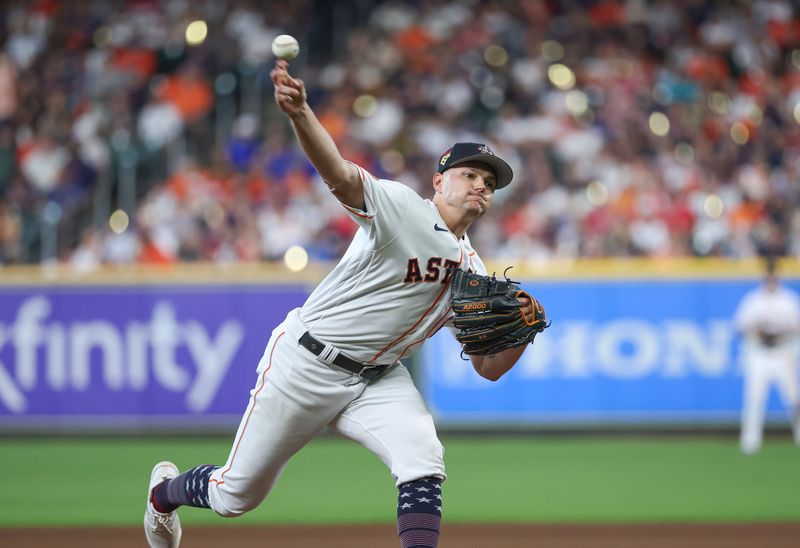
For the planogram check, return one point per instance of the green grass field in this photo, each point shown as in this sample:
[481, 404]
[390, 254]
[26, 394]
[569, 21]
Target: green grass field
[521, 479]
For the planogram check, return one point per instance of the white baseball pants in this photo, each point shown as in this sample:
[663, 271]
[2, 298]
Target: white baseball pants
[763, 368]
[296, 396]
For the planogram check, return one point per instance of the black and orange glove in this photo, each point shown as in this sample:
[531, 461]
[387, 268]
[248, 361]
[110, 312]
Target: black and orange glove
[489, 314]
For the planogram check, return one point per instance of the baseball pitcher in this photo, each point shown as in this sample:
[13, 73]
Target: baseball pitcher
[335, 362]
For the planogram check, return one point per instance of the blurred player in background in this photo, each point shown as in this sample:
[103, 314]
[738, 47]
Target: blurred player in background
[334, 362]
[769, 319]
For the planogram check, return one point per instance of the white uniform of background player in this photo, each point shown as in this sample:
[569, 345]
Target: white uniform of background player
[769, 319]
[335, 361]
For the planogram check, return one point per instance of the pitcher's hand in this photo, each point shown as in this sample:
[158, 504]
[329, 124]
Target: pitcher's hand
[290, 93]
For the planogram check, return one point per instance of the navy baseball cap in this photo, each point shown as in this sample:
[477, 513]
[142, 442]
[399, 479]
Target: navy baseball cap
[476, 152]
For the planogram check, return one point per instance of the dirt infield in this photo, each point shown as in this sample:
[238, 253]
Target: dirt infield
[454, 536]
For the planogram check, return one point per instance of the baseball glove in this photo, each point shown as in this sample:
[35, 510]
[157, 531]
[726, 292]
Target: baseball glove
[770, 339]
[489, 314]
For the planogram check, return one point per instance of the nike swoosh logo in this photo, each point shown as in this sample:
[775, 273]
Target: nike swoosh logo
[440, 229]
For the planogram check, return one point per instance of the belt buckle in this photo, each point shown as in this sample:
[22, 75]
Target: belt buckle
[370, 372]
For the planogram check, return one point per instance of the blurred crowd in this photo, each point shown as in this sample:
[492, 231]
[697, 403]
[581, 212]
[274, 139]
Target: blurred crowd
[145, 131]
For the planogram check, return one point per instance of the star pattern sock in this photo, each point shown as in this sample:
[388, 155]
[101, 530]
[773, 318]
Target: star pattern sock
[188, 489]
[419, 513]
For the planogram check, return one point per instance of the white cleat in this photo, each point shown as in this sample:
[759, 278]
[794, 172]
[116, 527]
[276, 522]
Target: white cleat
[161, 530]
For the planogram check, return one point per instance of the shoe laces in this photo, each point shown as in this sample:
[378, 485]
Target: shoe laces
[162, 522]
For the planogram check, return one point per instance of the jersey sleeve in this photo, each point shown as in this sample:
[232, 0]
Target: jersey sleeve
[386, 207]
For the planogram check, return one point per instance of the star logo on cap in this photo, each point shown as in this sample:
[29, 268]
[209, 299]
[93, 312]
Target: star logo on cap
[483, 149]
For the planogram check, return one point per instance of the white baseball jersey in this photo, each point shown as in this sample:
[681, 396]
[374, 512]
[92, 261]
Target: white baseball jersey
[390, 291]
[776, 312]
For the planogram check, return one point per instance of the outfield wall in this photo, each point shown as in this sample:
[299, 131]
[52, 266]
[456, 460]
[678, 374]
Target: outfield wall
[632, 343]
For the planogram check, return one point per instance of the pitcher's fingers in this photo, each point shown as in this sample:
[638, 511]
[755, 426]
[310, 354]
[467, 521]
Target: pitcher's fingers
[279, 76]
[288, 91]
[293, 82]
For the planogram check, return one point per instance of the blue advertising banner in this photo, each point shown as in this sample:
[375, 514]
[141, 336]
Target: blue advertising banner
[618, 351]
[139, 355]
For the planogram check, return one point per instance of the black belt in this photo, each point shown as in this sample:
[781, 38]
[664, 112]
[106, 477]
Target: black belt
[365, 370]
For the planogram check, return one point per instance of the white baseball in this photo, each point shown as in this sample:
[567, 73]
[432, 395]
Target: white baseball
[285, 47]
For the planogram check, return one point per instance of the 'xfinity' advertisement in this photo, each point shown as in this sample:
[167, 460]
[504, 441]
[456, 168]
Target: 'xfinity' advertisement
[80, 355]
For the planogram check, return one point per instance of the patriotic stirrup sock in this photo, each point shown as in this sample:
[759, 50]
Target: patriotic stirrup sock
[188, 489]
[419, 513]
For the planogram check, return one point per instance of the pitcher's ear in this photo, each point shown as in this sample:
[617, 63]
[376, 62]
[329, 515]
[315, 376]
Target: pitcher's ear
[438, 178]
